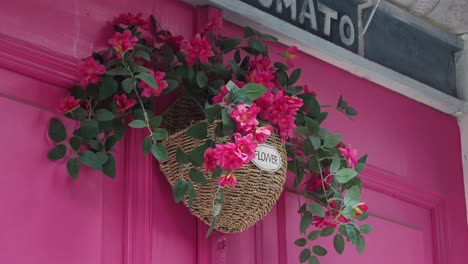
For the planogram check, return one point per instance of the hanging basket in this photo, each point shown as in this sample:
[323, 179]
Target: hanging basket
[253, 197]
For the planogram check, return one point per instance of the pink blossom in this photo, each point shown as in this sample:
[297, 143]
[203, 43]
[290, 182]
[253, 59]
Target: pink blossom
[227, 180]
[123, 42]
[161, 83]
[123, 104]
[350, 155]
[263, 77]
[212, 158]
[308, 90]
[89, 70]
[261, 64]
[315, 181]
[246, 147]
[280, 110]
[262, 133]
[174, 42]
[69, 104]
[245, 118]
[290, 55]
[199, 47]
[360, 209]
[232, 158]
[129, 18]
[321, 222]
[216, 25]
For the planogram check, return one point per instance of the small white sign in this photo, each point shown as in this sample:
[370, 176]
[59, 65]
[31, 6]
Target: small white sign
[267, 158]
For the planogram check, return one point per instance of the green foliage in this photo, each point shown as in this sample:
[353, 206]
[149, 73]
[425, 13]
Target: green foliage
[353, 196]
[319, 250]
[107, 88]
[148, 79]
[160, 134]
[316, 209]
[300, 242]
[109, 167]
[147, 144]
[180, 189]
[314, 235]
[304, 255]
[197, 176]
[73, 167]
[57, 130]
[137, 124]
[198, 131]
[365, 229]
[75, 143]
[338, 243]
[229, 126]
[344, 175]
[103, 115]
[306, 220]
[58, 152]
[159, 152]
[88, 129]
[327, 231]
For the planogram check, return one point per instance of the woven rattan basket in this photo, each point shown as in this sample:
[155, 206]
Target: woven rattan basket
[254, 196]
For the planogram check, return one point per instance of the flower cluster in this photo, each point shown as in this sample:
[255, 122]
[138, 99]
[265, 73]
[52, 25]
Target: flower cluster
[246, 98]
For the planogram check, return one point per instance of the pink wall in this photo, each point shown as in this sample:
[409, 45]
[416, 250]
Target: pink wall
[414, 181]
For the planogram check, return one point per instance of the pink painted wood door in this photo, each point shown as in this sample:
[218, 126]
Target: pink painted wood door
[413, 184]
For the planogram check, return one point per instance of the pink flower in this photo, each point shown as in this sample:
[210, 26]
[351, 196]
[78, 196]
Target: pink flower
[360, 209]
[350, 155]
[246, 147]
[245, 118]
[290, 55]
[212, 158]
[315, 181]
[308, 90]
[281, 111]
[262, 64]
[216, 25]
[199, 47]
[69, 104]
[263, 77]
[232, 158]
[262, 133]
[123, 42]
[123, 104]
[129, 18]
[167, 38]
[321, 222]
[148, 90]
[227, 180]
[89, 70]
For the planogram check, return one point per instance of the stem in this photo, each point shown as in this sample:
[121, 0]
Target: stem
[323, 184]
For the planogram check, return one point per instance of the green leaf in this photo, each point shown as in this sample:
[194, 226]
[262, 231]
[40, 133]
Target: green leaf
[197, 176]
[249, 32]
[314, 260]
[267, 37]
[365, 229]
[353, 197]
[73, 167]
[78, 92]
[351, 232]
[137, 124]
[344, 175]
[316, 142]
[300, 242]
[257, 45]
[338, 243]
[191, 194]
[327, 231]
[142, 54]
[102, 157]
[348, 212]
[202, 80]
[108, 87]
[311, 104]
[57, 152]
[294, 76]
[363, 217]
[316, 209]
[103, 115]
[306, 220]
[148, 79]
[90, 159]
[305, 255]
[319, 251]
[312, 125]
[109, 167]
[159, 151]
[180, 189]
[336, 163]
[196, 155]
[147, 144]
[360, 244]
[198, 131]
[254, 91]
[230, 44]
[314, 235]
[75, 143]
[229, 126]
[128, 85]
[180, 156]
[110, 142]
[118, 71]
[160, 134]
[212, 113]
[88, 129]
[218, 171]
[57, 130]
[332, 141]
[155, 122]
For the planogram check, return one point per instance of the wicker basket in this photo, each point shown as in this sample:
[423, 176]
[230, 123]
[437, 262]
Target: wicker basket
[254, 196]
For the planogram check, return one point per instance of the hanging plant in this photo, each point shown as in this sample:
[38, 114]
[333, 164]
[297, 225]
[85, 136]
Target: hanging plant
[226, 143]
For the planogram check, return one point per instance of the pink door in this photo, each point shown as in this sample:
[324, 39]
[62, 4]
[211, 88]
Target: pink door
[413, 183]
